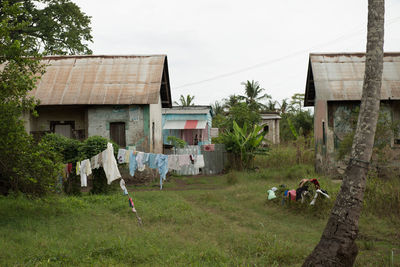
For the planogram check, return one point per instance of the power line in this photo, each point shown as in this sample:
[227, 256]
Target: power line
[268, 62]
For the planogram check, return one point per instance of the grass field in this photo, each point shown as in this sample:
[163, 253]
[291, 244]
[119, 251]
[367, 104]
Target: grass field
[194, 221]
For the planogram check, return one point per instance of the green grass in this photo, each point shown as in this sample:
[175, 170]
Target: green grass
[201, 221]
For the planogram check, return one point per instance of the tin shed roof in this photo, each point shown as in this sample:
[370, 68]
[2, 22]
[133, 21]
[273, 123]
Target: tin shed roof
[340, 77]
[102, 80]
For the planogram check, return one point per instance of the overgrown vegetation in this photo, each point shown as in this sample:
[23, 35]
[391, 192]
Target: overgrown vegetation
[230, 225]
[29, 29]
[71, 151]
[176, 142]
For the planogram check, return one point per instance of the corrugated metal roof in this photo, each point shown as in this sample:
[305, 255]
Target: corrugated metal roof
[99, 80]
[341, 76]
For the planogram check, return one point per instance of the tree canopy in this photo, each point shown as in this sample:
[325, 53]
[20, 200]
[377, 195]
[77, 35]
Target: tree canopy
[50, 26]
[29, 29]
[185, 101]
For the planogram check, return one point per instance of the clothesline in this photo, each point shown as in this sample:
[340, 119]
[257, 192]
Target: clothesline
[137, 160]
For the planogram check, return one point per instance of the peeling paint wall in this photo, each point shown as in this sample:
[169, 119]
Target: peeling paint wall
[100, 117]
[156, 138]
[342, 119]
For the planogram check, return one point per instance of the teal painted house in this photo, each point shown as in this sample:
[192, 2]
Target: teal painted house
[192, 124]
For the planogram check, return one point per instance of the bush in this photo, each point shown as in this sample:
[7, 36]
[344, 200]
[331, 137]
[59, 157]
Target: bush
[68, 149]
[24, 166]
[89, 148]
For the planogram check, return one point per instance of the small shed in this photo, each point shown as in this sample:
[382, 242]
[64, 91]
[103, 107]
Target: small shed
[270, 120]
[191, 124]
[117, 97]
[334, 87]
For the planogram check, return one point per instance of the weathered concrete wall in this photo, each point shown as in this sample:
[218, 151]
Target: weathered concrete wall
[273, 130]
[156, 138]
[320, 120]
[136, 129]
[342, 118]
[47, 114]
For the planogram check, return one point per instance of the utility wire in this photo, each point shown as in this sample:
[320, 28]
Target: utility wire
[268, 62]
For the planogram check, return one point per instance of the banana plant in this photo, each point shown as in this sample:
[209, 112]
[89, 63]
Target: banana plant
[244, 142]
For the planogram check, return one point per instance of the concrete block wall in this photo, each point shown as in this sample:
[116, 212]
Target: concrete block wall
[100, 117]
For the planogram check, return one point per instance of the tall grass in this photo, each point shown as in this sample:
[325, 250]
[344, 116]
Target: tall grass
[285, 156]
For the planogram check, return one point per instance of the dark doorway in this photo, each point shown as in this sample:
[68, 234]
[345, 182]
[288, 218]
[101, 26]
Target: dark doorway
[117, 133]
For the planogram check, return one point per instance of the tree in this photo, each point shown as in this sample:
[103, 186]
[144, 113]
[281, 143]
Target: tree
[243, 142]
[283, 106]
[217, 108]
[296, 104]
[53, 26]
[253, 95]
[337, 246]
[231, 101]
[24, 165]
[185, 102]
[271, 106]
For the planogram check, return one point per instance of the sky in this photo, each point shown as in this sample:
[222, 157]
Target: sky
[214, 45]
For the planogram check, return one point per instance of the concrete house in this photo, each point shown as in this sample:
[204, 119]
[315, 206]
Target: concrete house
[334, 88]
[192, 124]
[271, 121]
[117, 97]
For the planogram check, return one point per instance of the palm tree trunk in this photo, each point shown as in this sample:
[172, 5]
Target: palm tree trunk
[337, 246]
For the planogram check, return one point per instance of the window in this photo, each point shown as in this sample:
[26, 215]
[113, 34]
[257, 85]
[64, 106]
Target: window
[266, 128]
[323, 134]
[117, 133]
[64, 128]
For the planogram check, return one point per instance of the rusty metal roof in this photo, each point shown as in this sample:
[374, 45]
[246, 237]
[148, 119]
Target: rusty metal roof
[340, 77]
[102, 80]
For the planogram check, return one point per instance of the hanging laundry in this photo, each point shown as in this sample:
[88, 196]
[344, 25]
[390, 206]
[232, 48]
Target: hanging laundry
[192, 158]
[199, 161]
[78, 168]
[123, 187]
[86, 170]
[173, 162]
[92, 161]
[183, 160]
[132, 163]
[121, 155]
[127, 156]
[140, 161]
[152, 161]
[146, 159]
[162, 164]
[69, 168]
[132, 205]
[100, 159]
[210, 147]
[110, 164]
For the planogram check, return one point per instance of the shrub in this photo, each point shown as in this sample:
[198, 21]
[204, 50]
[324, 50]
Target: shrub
[24, 166]
[89, 148]
[68, 150]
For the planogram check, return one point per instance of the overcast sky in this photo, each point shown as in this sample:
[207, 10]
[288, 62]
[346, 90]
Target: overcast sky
[214, 45]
